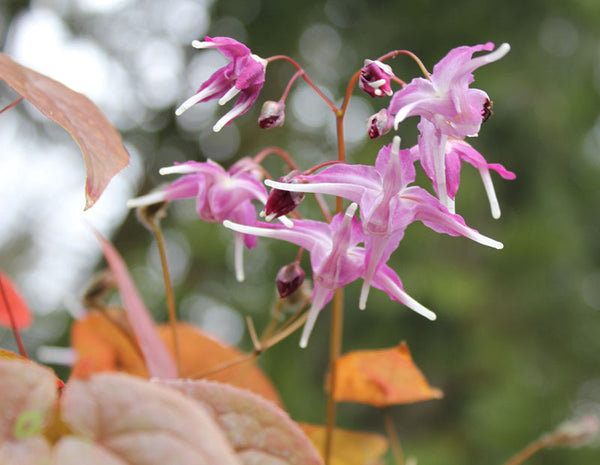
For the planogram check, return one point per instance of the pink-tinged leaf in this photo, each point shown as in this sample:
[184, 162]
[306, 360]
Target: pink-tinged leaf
[30, 451]
[135, 422]
[158, 359]
[11, 302]
[258, 430]
[71, 449]
[27, 396]
[100, 143]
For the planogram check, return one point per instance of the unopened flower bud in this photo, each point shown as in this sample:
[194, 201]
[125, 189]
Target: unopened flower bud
[282, 202]
[375, 78]
[379, 124]
[272, 115]
[289, 279]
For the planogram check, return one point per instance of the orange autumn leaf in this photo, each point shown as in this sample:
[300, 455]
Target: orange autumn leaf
[102, 344]
[201, 353]
[381, 378]
[99, 141]
[11, 301]
[349, 447]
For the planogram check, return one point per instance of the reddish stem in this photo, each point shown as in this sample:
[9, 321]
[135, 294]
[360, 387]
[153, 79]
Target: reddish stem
[10, 105]
[321, 165]
[326, 99]
[395, 53]
[13, 323]
[260, 156]
[289, 85]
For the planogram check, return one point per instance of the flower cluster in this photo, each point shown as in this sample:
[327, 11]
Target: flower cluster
[347, 248]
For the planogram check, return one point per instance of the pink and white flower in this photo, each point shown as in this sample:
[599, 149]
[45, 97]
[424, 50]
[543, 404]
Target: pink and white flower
[336, 260]
[220, 195]
[245, 75]
[445, 98]
[387, 204]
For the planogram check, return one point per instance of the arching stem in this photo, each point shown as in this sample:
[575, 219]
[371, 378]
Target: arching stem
[13, 323]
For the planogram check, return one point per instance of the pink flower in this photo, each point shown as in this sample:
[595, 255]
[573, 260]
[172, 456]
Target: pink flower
[387, 204]
[455, 153]
[445, 99]
[245, 76]
[335, 258]
[220, 195]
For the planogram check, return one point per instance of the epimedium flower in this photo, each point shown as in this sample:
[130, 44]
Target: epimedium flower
[244, 75]
[220, 195]
[336, 260]
[445, 98]
[387, 204]
[456, 152]
[445, 101]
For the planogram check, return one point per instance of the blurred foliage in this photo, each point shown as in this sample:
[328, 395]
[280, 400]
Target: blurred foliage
[515, 347]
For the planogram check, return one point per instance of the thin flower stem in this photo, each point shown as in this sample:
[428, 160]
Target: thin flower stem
[260, 156]
[10, 105]
[390, 429]
[13, 323]
[337, 311]
[273, 322]
[253, 336]
[395, 53]
[275, 339]
[285, 331]
[323, 207]
[326, 99]
[223, 366]
[335, 346]
[531, 449]
[168, 291]
[349, 89]
[289, 85]
[321, 165]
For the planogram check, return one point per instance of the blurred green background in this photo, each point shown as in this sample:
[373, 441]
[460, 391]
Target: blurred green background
[515, 347]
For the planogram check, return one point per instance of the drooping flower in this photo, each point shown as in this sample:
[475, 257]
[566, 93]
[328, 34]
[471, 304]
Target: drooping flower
[455, 153]
[379, 124]
[445, 98]
[272, 115]
[375, 78]
[336, 260]
[447, 105]
[282, 202]
[387, 204]
[245, 76]
[289, 278]
[220, 195]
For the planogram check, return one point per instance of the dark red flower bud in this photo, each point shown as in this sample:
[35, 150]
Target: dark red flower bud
[378, 124]
[282, 202]
[289, 279]
[272, 115]
[375, 78]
